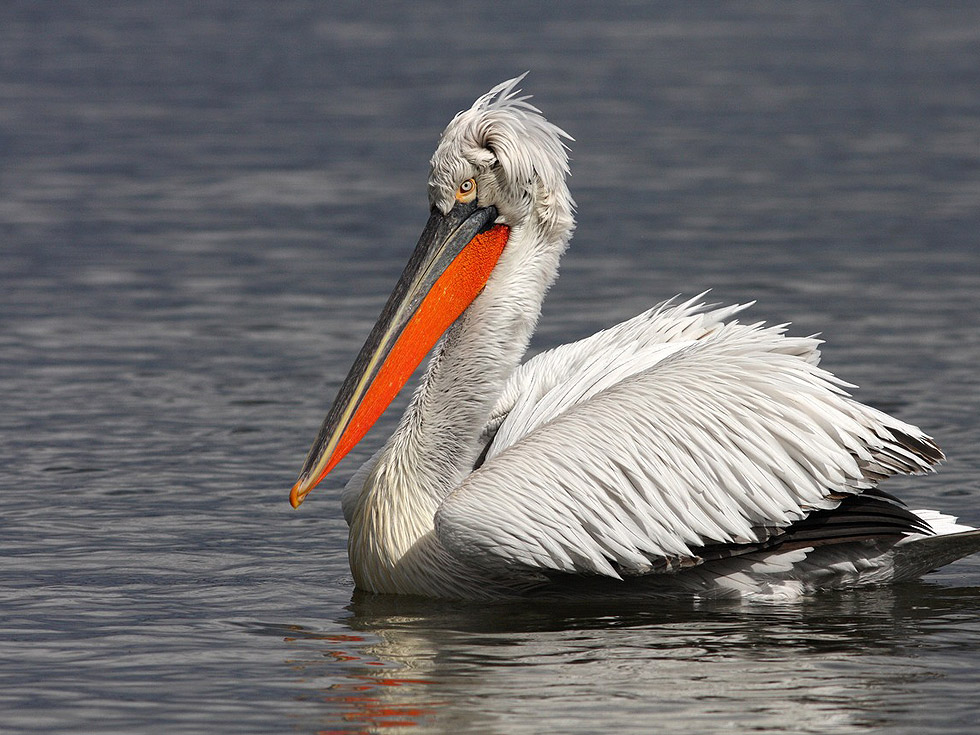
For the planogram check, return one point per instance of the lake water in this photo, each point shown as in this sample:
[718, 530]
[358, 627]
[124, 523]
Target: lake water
[202, 209]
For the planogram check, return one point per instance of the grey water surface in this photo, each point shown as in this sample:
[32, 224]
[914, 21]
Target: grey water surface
[202, 209]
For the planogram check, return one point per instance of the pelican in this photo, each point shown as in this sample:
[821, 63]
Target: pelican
[679, 452]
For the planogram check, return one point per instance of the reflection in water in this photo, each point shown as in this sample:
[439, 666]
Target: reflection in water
[370, 695]
[834, 663]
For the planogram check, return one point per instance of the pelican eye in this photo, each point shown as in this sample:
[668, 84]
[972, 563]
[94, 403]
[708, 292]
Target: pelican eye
[466, 191]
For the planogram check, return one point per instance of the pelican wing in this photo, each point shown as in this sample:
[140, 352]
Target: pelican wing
[705, 435]
[553, 381]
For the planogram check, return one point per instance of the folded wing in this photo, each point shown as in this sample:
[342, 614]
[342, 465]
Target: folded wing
[639, 448]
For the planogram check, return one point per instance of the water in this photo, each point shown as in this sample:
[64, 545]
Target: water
[202, 209]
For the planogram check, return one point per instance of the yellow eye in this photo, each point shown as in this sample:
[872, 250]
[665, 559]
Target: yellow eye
[466, 191]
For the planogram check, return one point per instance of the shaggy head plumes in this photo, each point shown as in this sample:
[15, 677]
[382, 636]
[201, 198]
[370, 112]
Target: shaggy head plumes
[516, 157]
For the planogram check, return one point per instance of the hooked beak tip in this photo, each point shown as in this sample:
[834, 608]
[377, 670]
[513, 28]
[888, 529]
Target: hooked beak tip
[299, 492]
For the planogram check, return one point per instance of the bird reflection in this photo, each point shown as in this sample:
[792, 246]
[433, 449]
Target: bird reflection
[838, 663]
[369, 694]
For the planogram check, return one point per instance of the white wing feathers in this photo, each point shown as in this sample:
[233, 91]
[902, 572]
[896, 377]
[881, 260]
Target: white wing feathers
[624, 453]
[553, 381]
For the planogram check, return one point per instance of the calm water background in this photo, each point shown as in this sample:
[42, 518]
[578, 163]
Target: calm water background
[202, 208]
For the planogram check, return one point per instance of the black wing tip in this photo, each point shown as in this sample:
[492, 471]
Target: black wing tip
[922, 446]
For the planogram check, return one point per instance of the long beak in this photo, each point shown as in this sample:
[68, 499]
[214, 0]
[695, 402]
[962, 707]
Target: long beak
[450, 266]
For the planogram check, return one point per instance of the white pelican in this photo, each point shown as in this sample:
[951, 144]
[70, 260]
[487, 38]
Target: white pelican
[679, 451]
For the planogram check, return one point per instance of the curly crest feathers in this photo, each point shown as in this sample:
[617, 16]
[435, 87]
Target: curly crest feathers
[504, 134]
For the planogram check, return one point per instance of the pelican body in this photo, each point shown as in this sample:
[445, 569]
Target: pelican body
[680, 452]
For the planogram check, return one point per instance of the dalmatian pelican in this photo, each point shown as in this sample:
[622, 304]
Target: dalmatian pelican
[680, 452]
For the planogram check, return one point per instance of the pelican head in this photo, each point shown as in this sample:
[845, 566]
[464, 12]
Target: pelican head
[497, 194]
[512, 154]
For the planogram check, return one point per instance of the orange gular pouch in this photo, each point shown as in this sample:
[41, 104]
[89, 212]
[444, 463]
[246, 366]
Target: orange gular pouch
[448, 269]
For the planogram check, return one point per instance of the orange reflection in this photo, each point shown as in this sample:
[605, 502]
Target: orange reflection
[370, 698]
